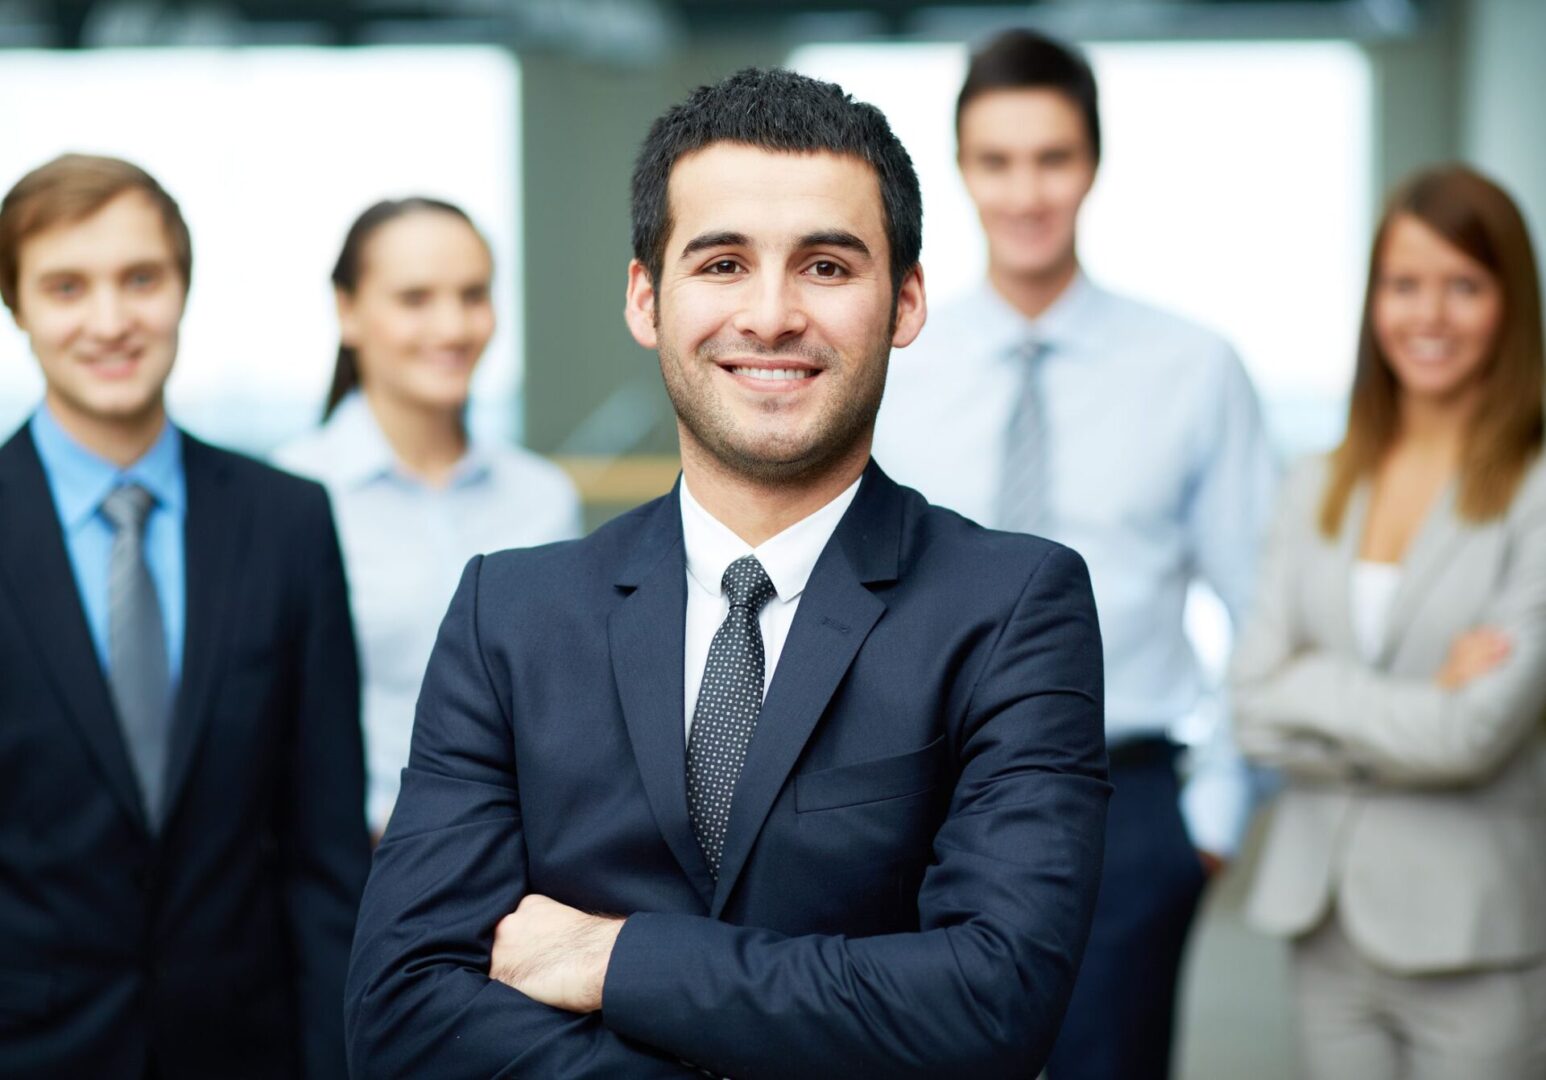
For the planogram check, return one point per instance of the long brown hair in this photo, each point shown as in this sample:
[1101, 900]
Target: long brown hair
[351, 261]
[1477, 217]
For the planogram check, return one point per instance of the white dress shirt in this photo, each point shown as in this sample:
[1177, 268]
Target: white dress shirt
[1159, 472]
[788, 559]
[1374, 587]
[404, 546]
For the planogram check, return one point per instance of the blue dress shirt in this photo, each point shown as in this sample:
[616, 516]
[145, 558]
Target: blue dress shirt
[1159, 471]
[405, 544]
[79, 480]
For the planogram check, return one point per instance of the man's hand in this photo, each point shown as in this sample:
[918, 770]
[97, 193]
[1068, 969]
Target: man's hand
[554, 954]
[1472, 655]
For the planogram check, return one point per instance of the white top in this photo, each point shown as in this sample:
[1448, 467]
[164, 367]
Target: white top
[788, 559]
[1374, 587]
[404, 546]
[1159, 472]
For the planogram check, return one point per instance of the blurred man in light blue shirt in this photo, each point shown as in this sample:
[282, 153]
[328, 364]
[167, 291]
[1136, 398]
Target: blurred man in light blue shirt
[1040, 402]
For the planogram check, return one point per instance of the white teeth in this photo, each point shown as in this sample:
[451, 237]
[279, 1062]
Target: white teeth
[1430, 350]
[773, 374]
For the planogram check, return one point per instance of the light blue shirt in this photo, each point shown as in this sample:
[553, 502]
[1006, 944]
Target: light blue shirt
[79, 480]
[1159, 471]
[405, 544]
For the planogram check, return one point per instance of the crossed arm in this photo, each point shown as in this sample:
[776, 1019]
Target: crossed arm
[980, 988]
[1324, 715]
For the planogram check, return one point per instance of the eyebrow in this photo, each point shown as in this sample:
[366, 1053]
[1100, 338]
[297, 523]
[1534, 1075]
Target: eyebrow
[835, 238]
[832, 238]
[704, 241]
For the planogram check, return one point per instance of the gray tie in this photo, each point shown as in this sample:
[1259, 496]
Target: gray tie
[1024, 484]
[138, 672]
[729, 702]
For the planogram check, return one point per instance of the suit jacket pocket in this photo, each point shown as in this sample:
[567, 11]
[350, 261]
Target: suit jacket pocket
[894, 777]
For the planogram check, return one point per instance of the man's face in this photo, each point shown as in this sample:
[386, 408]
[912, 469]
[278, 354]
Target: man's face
[772, 315]
[101, 299]
[1028, 164]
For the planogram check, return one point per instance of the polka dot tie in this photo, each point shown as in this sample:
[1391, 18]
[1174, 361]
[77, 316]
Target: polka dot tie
[728, 703]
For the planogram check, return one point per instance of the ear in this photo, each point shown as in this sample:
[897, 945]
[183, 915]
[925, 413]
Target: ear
[348, 318]
[911, 309]
[639, 305]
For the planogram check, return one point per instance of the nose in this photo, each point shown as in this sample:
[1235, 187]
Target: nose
[771, 310]
[107, 317]
[1026, 190]
[1431, 307]
[452, 321]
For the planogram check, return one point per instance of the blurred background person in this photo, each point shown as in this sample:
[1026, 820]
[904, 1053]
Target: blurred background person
[182, 843]
[1042, 403]
[1395, 667]
[415, 497]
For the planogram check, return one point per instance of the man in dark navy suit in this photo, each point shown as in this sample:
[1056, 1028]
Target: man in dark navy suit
[829, 760]
[182, 836]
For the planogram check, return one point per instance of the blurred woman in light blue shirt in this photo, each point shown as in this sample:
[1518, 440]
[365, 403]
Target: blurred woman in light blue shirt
[413, 495]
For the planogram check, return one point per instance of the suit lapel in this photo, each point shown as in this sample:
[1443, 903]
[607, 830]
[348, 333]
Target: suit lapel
[35, 564]
[646, 633]
[1341, 584]
[216, 533]
[835, 615]
[1430, 549]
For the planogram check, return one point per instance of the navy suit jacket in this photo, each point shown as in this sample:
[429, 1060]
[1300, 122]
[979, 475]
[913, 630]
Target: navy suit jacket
[914, 845]
[216, 946]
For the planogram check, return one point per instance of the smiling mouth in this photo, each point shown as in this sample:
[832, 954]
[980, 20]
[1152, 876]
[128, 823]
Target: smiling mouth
[780, 374]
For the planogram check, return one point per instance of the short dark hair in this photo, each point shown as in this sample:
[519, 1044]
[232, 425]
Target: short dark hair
[778, 110]
[69, 189]
[1026, 60]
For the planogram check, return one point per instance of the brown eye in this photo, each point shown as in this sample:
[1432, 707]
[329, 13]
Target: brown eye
[826, 269]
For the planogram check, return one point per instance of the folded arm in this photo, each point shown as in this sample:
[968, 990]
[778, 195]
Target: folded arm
[1320, 713]
[419, 1000]
[1004, 910]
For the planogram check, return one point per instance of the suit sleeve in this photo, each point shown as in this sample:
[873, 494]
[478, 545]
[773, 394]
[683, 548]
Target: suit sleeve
[1004, 911]
[452, 863]
[1315, 707]
[326, 851]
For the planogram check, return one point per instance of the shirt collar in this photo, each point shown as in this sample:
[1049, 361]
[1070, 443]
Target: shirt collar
[80, 479]
[361, 454]
[1070, 322]
[789, 558]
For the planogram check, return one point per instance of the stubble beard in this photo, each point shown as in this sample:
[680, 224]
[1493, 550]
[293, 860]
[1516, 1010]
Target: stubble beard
[842, 424]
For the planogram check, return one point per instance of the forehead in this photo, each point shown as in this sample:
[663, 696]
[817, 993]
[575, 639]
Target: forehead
[1413, 244]
[773, 196]
[1022, 117]
[128, 229]
[424, 244]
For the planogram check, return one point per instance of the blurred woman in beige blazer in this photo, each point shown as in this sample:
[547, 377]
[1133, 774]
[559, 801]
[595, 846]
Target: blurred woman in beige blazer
[1394, 668]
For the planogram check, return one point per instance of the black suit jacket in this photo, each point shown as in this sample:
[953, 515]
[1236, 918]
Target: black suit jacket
[914, 846]
[218, 946]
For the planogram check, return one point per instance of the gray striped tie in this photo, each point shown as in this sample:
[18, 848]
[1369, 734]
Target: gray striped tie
[138, 672]
[1024, 483]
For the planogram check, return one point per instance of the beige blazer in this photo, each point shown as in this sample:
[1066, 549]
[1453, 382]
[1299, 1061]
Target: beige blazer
[1420, 812]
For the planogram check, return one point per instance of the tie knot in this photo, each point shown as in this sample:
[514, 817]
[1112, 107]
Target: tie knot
[1030, 349]
[127, 507]
[747, 584]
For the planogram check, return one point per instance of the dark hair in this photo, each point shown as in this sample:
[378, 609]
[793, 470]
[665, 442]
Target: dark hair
[351, 260]
[1026, 60]
[779, 110]
[71, 188]
[1478, 218]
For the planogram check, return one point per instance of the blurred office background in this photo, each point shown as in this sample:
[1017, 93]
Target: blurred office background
[1248, 142]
